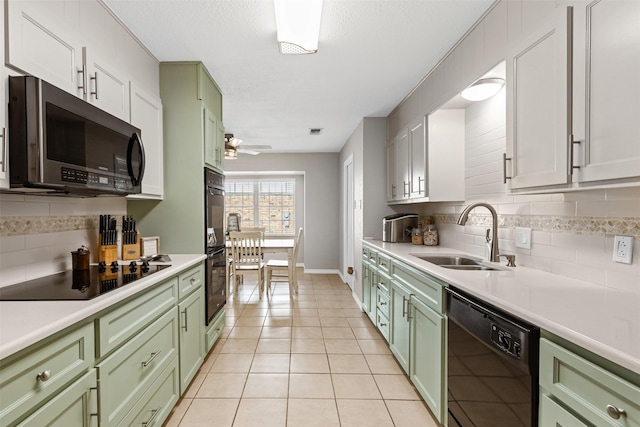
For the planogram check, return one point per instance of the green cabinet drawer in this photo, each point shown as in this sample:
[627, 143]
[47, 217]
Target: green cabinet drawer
[588, 389]
[428, 289]
[384, 263]
[382, 282]
[382, 322]
[553, 414]
[156, 404]
[190, 280]
[373, 255]
[365, 253]
[37, 373]
[76, 405]
[119, 325]
[214, 330]
[383, 302]
[129, 371]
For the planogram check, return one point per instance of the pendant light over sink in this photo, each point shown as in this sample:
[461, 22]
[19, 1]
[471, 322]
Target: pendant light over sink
[298, 26]
[483, 89]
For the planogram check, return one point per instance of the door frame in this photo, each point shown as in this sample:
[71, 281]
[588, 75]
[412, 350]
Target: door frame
[348, 220]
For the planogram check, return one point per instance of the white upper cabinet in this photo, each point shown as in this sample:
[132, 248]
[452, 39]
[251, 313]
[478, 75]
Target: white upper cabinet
[104, 86]
[146, 114]
[418, 159]
[538, 93]
[40, 45]
[392, 191]
[573, 100]
[446, 163]
[607, 90]
[4, 147]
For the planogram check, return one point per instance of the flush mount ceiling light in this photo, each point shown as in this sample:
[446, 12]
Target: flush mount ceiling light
[298, 25]
[483, 89]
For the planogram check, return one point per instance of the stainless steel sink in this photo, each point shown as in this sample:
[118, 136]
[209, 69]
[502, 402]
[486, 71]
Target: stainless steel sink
[455, 262]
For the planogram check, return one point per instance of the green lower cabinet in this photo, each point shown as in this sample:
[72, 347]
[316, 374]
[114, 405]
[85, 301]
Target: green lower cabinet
[578, 381]
[74, 406]
[399, 331]
[554, 415]
[156, 404]
[128, 373]
[191, 315]
[427, 351]
[366, 287]
[214, 330]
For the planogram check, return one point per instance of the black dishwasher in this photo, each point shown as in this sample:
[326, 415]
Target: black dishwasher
[492, 365]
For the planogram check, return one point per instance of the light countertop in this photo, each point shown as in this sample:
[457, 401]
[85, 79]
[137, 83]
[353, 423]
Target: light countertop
[603, 320]
[23, 323]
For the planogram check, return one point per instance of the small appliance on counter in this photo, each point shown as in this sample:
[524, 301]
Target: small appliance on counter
[397, 228]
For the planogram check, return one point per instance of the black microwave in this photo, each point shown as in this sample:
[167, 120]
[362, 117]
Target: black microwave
[59, 143]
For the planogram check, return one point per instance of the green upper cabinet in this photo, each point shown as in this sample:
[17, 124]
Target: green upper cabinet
[192, 115]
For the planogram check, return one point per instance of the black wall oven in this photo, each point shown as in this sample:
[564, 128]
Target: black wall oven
[215, 243]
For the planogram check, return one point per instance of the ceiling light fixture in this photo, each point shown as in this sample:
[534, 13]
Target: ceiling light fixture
[483, 89]
[298, 25]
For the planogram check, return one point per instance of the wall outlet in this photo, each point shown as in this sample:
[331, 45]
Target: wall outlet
[523, 238]
[623, 249]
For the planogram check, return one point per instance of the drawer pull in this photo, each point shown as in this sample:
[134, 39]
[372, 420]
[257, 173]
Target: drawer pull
[154, 414]
[193, 280]
[43, 376]
[383, 303]
[383, 325]
[153, 356]
[615, 413]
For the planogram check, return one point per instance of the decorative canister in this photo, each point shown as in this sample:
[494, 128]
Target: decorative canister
[416, 236]
[430, 235]
[80, 259]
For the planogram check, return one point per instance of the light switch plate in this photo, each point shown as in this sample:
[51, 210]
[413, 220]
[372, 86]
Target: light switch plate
[623, 249]
[523, 238]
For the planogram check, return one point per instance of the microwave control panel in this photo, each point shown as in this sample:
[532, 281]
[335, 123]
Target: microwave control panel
[87, 178]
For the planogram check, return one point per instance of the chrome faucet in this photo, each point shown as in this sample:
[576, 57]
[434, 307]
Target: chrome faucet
[464, 216]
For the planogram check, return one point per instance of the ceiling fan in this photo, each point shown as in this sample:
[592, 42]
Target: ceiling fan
[231, 147]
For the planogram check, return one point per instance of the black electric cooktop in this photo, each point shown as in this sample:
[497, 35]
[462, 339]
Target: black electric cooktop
[78, 285]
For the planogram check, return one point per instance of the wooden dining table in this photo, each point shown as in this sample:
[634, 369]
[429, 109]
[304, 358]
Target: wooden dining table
[274, 245]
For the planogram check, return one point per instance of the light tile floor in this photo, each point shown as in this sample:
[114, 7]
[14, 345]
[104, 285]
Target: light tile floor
[311, 360]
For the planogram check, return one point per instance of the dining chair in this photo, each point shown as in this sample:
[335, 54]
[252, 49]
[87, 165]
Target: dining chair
[281, 271]
[246, 255]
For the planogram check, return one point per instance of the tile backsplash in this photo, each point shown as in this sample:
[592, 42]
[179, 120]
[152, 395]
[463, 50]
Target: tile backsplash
[572, 233]
[38, 233]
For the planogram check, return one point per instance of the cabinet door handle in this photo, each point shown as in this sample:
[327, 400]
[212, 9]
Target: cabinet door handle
[153, 356]
[393, 191]
[185, 320]
[616, 413]
[573, 145]
[406, 188]
[98, 407]
[404, 306]
[43, 376]
[420, 181]
[504, 168]
[95, 84]
[3, 158]
[83, 79]
[154, 414]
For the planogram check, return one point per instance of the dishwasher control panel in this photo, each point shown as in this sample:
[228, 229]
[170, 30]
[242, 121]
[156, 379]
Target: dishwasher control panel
[506, 341]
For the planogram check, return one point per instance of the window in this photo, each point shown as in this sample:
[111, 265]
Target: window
[267, 203]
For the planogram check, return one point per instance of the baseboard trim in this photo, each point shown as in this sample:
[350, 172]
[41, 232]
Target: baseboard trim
[320, 271]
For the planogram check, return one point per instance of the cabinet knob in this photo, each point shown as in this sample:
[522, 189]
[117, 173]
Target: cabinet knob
[615, 413]
[193, 280]
[43, 376]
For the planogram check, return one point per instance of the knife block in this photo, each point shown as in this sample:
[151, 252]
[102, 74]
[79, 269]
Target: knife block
[131, 251]
[107, 253]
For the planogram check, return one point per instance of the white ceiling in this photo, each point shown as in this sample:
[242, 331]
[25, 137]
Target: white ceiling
[371, 54]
